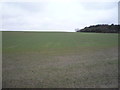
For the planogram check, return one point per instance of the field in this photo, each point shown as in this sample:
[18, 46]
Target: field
[59, 60]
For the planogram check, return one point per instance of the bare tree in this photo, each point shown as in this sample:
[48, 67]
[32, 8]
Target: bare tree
[77, 29]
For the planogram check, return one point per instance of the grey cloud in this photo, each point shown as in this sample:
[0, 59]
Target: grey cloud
[28, 6]
[98, 5]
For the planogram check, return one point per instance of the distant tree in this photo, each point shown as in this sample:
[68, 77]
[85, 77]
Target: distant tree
[103, 28]
[77, 29]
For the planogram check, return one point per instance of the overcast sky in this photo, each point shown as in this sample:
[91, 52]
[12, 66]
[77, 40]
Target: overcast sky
[57, 15]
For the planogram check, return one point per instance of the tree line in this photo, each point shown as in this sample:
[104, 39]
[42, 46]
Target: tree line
[103, 28]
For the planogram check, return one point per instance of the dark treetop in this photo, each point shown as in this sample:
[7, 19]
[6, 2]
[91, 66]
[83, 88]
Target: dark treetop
[103, 28]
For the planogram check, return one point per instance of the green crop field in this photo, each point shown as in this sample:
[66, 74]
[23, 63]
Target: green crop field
[59, 60]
